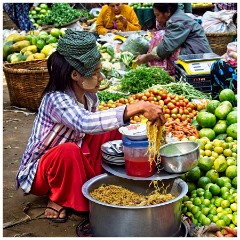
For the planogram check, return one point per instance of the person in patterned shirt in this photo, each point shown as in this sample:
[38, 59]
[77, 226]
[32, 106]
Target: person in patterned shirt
[64, 149]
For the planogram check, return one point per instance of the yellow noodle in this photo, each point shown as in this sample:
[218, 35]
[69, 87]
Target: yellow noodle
[118, 195]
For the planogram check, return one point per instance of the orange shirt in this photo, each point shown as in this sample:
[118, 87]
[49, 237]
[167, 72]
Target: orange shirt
[106, 17]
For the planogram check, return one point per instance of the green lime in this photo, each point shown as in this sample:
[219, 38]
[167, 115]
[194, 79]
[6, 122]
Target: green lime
[213, 211]
[210, 216]
[226, 219]
[215, 218]
[220, 182]
[213, 175]
[233, 207]
[234, 220]
[203, 181]
[195, 209]
[185, 198]
[224, 190]
[206, 202]
[208, 186]
[225, 204]
[206, 221]
[197, 201]
[231, 198]
[226, 179]
[214, 189]
[191, 187]
[224, 195]
[228, 185]
[231, 160]
[194, 174]
[207, 194]
[231, 171]
[200, 192]
[184, 209]
[234, 182]
[221, 223]
[220, 164]
[205, 211]
[205, 163]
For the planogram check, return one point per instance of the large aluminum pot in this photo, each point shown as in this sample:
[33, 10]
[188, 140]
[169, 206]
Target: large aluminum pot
[160, 220]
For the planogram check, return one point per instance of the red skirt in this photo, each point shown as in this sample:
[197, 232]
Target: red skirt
[65, 168]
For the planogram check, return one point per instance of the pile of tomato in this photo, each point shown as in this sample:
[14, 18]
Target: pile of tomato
[175, 107]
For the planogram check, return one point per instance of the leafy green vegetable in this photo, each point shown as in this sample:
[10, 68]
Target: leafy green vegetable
[63, 13]
[142, 78]
[185, 89]
[105, 96]
[127, 58]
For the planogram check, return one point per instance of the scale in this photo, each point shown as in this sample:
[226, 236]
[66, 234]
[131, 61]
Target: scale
[197, 63]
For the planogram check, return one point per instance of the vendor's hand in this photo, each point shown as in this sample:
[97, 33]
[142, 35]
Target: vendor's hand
[154, 113]
[142, 59]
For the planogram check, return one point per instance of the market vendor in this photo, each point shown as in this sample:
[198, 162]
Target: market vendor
[64, 149]
[116, 17]
[179, 35]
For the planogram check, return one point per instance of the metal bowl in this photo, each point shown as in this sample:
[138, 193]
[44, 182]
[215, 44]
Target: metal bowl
[159, 220]
[179, 157]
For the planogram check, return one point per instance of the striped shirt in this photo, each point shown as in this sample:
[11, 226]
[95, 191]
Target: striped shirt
[61, 118]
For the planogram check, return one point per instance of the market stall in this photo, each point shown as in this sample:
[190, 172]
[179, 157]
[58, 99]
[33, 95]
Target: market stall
[205, 193]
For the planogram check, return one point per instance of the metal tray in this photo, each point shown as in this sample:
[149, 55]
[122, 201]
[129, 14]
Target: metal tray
[121, 172]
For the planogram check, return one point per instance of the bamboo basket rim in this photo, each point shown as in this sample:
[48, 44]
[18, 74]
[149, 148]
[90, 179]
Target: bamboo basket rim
[24, 70]
[220, 34]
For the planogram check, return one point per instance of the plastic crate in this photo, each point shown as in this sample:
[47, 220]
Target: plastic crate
[201, 82]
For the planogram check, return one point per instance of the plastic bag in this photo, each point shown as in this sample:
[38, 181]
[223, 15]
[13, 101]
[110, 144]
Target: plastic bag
[136, 44]
[221, 21]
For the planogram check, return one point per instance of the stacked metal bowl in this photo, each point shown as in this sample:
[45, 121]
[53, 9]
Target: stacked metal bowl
[112, 152]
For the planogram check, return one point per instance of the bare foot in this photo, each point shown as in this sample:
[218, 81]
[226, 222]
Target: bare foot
[49, 213]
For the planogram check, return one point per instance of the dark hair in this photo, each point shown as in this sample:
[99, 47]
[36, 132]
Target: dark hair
[165, 7]
[234, 18]
[59, 73]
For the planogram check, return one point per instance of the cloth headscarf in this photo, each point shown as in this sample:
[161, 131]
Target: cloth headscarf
[80, 50]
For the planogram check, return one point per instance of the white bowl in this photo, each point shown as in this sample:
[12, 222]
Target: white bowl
[136, 131]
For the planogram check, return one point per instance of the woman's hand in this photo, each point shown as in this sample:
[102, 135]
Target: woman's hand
[154, 113]
[142, 59]
[122, 19]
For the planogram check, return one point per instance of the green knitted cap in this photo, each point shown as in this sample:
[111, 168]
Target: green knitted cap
[80, 50]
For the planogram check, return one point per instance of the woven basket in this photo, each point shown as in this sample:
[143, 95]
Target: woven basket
[219, 41]
[8, 23]
[26, 82]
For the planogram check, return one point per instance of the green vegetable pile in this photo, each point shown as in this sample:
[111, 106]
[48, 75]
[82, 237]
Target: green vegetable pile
[105, 96]
[63, 13]
[184, 89]
[142, 78]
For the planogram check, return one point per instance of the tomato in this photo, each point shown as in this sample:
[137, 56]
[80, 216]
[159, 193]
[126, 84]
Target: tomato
[180, 111]
[155, 92]
[181, 103]
[186, 111]
[181, 97]
[159, 98]
[173, 101]
[147, 94]
[150, 99]
[179, 115]
[170, 105]
[166, 101]
[186, 100]
[164, 96]
[139, 96]
[174, 111]
[183, 117]
[122, 100]
[168, 111]
[177, 104]
[161, 102]
[189, 109]
[174, 116]
[167, 116]
[144, 98]
[164, 91]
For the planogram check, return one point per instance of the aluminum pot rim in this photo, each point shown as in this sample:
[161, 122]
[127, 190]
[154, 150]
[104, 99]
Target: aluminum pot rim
[85, 186]
[178, 155]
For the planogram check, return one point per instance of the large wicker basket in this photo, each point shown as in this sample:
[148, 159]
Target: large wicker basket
[26, 82]
[219, 41]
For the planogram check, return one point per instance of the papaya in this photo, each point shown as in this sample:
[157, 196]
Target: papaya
[31, 48]
[30, 58]
[18, 46]
[6, 49]
[39, 56]
[16, 57]
[27, 53]
[15, 37]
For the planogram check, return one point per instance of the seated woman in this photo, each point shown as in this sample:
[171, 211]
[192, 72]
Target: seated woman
[116, 17]
[182, 35]
[64, 149]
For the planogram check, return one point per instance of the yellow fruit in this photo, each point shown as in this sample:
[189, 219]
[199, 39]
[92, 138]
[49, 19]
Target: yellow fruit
[218, 150]
[208, 153]
[217, 143]
[227, 152]
[208, 146]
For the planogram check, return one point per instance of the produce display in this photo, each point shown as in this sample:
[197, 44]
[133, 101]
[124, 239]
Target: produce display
[141, 5]
[58, 15]
[33, 45]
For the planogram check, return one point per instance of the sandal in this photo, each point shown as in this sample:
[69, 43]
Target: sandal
[57, 219]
